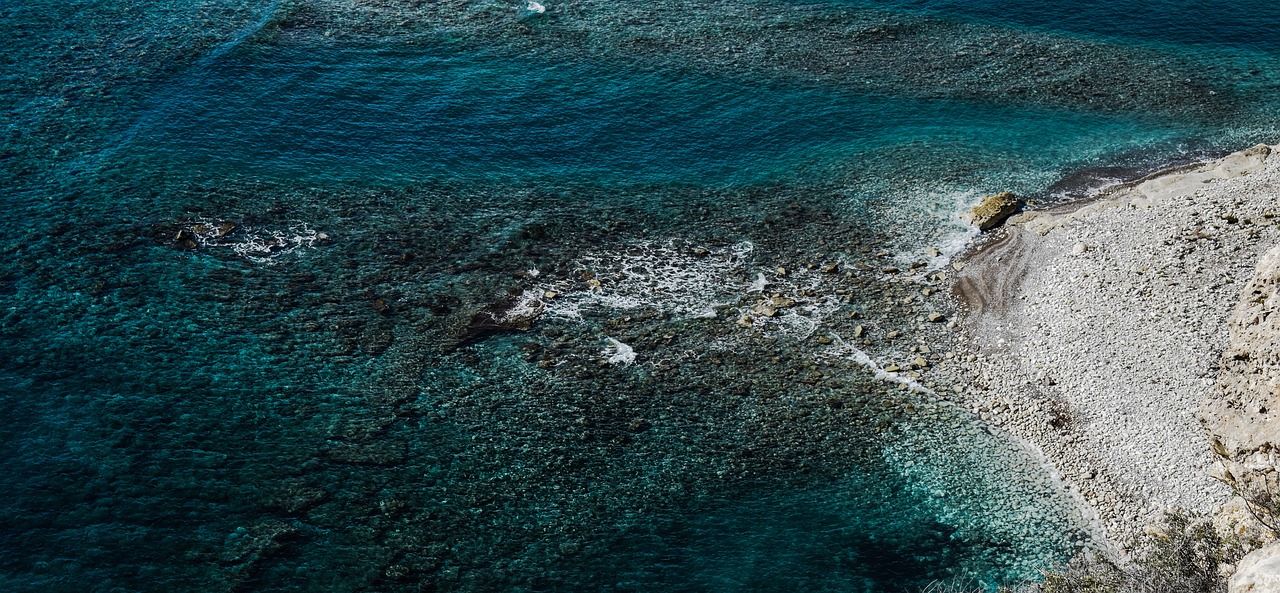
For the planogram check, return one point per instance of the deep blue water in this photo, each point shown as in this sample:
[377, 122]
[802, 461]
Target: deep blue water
[245, 245]
[1186, 23]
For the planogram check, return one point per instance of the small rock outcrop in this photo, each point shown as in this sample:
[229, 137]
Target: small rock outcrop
[1259, 572]
[993, 211]
[513, 314]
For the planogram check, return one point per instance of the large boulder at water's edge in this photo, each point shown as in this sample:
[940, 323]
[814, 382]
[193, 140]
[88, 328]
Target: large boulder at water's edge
[993, 210]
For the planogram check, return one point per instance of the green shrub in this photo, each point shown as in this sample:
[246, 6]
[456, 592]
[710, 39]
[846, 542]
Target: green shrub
[1184, 556]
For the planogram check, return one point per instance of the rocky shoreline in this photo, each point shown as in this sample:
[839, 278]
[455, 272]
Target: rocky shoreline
[1094, 331]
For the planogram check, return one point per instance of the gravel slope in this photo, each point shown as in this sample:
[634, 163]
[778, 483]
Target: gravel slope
[1094, 331]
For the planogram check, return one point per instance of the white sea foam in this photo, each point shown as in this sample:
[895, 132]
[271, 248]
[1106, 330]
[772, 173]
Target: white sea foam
[256, 245]
[619, 353]
[527, 306]
[811, 304]
[953, 234]
[862, 358]
[672, 278]
[688, 281]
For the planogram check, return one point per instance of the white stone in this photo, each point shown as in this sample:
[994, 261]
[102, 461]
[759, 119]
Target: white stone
[1258, 572]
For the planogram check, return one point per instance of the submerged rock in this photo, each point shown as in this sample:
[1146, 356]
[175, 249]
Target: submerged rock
[993, 210]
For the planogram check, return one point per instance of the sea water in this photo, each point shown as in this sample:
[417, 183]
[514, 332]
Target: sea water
[246, 245]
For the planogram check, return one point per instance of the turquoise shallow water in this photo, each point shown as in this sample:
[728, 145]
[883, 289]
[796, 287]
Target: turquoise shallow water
[246, 244]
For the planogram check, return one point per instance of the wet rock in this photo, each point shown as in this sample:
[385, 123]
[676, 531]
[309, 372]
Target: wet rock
[186, 240]
[993, 210]
[375, 339]
[515, 314]
[781, 302]
[442, 304]
[392, 506]
[294, 497]
[398, 572]
[215, 230]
